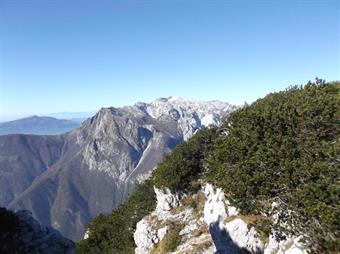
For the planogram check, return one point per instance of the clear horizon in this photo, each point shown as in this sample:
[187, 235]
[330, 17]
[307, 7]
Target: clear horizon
[79, 56]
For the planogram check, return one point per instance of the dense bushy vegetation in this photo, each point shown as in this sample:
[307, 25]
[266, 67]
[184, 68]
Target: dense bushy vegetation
[283, 148]
[186, 164]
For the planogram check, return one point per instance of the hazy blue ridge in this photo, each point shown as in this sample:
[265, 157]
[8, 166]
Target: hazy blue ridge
[39, 125]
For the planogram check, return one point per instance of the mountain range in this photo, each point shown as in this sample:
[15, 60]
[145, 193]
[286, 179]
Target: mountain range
[39, 125]
[65, 180]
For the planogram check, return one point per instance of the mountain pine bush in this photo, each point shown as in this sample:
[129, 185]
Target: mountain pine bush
[283, 148]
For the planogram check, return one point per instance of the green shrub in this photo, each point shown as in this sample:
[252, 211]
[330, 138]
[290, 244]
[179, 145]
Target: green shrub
[114, 232]
[185, 164]
[285, 148]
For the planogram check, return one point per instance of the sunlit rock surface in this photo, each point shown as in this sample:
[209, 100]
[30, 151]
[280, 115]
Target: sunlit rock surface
[210, 226]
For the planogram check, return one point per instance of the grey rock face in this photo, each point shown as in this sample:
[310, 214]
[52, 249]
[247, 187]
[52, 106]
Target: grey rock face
[68, 179]
[22, 159]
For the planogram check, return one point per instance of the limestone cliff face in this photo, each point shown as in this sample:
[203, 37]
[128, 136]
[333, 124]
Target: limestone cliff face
[68, 179]
[204, 223]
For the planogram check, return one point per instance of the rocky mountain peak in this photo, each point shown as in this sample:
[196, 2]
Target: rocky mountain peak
[96, 166]
[128, 131]
[190, 115]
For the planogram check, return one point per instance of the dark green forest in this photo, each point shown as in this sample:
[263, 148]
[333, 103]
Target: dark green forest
[283, 148]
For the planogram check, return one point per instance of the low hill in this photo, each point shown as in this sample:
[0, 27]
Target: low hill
[38, 125]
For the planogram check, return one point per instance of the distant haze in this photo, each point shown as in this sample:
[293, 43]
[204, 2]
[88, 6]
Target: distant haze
[72, 115]
[75, 116]
[39, 125]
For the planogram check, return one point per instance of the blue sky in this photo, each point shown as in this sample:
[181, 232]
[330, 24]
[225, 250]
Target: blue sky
[72, 55]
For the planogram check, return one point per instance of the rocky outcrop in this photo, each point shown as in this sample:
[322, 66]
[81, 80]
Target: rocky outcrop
[170, 213]
[289, 245]
[165, 200]
[231, 237]
[21, 233]
[209, 224]
[152, 229]
[68, 179]
[236, 236]
[87, 233]
[146, 236]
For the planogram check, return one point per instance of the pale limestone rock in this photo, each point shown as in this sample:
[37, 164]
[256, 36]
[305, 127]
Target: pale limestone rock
[273, 245]
[87, 233]
[224, 238]
[244, 237]
[231, 210]
[287, 246]
[235, 234]
[214, 208]
[165, 200]
[191, 226]
[296, 248]
[162, 232]
[146, 234]
[189, 245]
[183, 217]
[145, 237]
[209, 119]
